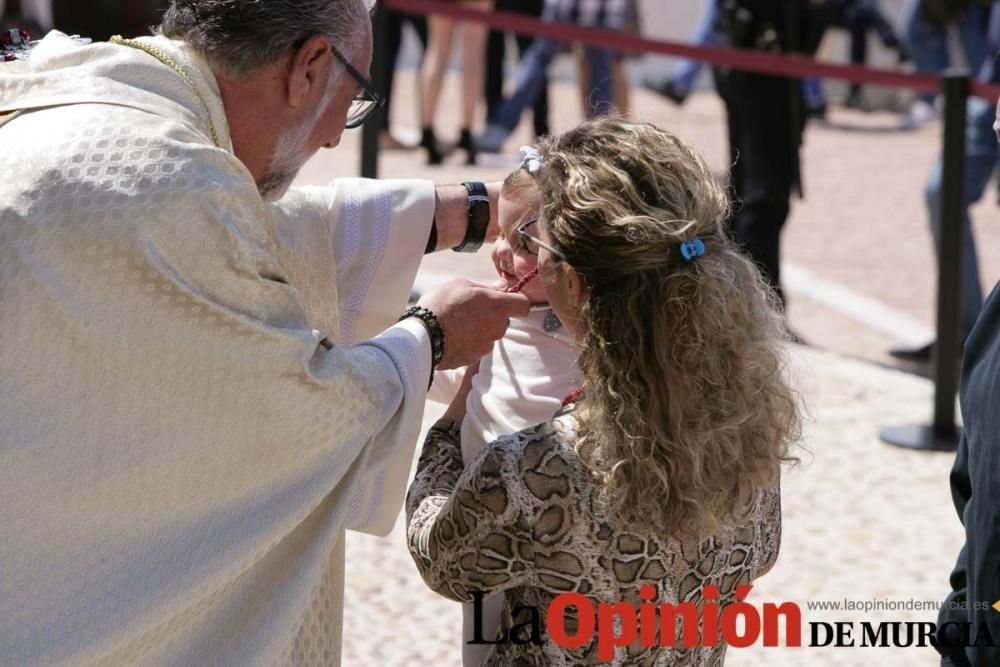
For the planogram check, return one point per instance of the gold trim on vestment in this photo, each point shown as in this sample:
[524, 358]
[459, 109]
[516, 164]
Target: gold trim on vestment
[160, 55]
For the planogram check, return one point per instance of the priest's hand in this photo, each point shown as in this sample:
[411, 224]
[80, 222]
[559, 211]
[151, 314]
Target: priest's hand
[473, 317]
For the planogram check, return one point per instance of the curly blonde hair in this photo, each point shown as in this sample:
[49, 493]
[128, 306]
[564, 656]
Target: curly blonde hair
[688, 412]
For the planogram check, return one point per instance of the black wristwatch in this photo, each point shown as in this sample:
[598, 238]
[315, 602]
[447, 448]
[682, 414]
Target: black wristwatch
[479, 217]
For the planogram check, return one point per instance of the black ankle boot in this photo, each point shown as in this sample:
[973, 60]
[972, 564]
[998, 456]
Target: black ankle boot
[468, 144]
[429, 141]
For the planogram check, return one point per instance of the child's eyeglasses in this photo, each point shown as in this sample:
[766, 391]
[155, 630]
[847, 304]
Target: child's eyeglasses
[532, 243]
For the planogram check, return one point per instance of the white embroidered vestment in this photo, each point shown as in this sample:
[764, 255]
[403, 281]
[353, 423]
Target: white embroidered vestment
[187, 422]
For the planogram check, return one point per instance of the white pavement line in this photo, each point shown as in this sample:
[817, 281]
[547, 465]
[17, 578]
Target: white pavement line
[835, 296]
[855, 305]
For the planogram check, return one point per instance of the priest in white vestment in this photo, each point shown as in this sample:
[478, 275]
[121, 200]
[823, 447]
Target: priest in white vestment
[188, 421]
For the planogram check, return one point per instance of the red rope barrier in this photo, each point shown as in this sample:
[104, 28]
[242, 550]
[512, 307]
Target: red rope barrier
[741, 59]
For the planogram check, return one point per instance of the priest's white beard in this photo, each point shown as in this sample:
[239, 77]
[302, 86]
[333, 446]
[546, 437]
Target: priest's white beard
[291, 152]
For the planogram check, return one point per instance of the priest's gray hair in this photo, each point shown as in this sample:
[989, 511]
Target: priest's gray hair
[238, 36]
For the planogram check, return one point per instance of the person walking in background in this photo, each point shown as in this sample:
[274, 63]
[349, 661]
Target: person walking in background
[394, 40]
[765, 116]
[858, 17]
[608, 14]
[621, 84]
[679, 86]
[496, 49]
[925, 29]
[981, 162]
[441, 36]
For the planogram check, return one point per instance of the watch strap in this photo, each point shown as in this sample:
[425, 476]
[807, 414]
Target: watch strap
[479, 217]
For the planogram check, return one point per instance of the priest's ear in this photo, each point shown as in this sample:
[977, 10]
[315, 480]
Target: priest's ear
[309, 70]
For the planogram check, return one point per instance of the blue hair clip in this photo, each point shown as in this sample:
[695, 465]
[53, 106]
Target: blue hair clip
[692, 249]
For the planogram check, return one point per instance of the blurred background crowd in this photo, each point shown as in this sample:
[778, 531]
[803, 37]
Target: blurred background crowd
[503, 77]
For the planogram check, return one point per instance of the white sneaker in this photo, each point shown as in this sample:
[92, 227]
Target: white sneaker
[920, 113]
[492, 139]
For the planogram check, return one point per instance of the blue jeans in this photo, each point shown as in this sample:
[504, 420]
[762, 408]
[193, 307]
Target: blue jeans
[531, 77]
[928, 44]
[980, 161]
[812, 91]
[705, 34]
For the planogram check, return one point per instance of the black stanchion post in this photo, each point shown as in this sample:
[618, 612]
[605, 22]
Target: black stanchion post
[943, 435]
[380, 74]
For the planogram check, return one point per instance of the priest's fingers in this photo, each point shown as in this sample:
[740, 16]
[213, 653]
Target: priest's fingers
[472, 316]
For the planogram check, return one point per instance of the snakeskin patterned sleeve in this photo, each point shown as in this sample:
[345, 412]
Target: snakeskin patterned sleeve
[466, 529]
[770, 540]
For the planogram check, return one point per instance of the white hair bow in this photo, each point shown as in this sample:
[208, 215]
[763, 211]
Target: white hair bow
[531, 159]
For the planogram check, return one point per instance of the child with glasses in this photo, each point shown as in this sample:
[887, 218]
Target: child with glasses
[524, 380]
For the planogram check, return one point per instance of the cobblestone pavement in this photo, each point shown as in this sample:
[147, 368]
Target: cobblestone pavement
[862, 521]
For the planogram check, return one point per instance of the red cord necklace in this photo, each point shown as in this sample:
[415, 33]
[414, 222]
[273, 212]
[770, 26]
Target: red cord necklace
[525, 279]
[573, 396]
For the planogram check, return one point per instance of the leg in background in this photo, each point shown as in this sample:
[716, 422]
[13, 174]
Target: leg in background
[870, 14]
[496, 56]
[495, 59]
[530, 78]
[759, 117]
[687, 70]
[393, 35]
[859, 56]
[623, 91]
[981, 161]
[927, 44]
[540, 109]
[972, 36]
[601, 96]
[812, 91]
[582, 79]
[440, 35]
[473, 47]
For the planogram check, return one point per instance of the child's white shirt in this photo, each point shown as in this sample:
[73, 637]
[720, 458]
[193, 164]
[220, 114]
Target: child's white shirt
[521, 382]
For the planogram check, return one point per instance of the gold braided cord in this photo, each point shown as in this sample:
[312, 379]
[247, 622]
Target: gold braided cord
[172, 64]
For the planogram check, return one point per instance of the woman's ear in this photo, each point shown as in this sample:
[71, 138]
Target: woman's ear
[575, 287]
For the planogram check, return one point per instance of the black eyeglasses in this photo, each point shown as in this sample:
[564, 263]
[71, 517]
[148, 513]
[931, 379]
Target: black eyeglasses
[530, 243]
[365, 104]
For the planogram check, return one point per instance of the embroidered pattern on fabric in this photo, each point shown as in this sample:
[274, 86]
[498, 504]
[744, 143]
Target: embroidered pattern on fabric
[349, 310]
[379, 236]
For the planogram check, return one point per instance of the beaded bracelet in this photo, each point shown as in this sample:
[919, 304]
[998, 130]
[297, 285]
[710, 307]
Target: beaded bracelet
[435, 331]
